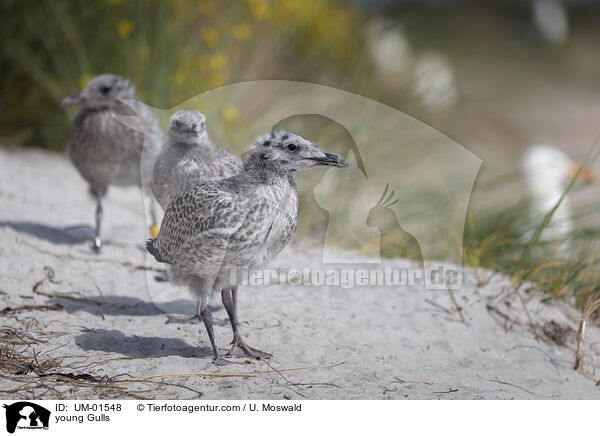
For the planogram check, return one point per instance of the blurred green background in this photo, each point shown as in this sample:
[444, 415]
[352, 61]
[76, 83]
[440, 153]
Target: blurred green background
[513, 84]
[172, 50]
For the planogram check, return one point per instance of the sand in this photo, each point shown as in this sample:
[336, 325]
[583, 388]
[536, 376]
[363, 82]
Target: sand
[333, 343]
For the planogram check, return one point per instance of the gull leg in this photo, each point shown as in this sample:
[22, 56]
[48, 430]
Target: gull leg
[97, 241]
[239, 349]
[198, 312]
[153, 211]
[208, 323]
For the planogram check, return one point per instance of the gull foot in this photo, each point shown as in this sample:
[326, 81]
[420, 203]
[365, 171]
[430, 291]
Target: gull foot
[219, 361]
[240, 349]
[97, 244]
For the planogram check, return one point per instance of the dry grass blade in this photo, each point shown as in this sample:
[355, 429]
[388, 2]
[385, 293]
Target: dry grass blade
[32, 375]
[524, 304]
[591, 305]
[208, 374]
[26, 307]
[457, 306]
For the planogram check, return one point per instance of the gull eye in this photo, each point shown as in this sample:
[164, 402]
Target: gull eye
[105, 90]
[292, 147]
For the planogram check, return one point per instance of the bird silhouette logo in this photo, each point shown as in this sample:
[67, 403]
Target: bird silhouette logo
[26, 415]
[381, 145]
[394, 240]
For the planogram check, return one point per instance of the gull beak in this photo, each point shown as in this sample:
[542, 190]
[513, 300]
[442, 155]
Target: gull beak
[71, 100]
[586, 174]
[332, 160]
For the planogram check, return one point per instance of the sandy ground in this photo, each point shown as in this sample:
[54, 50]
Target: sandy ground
[98, 330]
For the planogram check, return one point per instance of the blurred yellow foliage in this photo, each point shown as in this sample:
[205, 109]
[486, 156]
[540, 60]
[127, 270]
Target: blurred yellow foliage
[217, 79]
[230, 113]
[84, 79]
[205, 52]
[210, 36]
[177, 78]
[124, 28]
[205, 7]
[175, 49]
[145, 51]
[259, 8]
[218, 61]
[242, 32]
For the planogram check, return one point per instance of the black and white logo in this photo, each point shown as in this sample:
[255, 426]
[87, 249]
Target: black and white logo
[26, 415]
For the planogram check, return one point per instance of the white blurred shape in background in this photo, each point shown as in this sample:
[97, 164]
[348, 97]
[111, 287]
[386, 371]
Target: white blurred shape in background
[551, 21]
[547, 172]
[434, 82]
[389, 47]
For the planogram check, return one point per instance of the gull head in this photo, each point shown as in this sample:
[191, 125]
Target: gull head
[188, 127]
[286, 152]
[102, 92]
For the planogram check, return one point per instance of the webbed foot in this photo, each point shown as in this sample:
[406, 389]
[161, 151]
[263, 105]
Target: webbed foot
[240, 349]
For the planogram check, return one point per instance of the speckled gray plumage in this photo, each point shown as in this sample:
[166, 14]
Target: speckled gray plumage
[225, 224]
[241, 222]
[105, 151]
[189, 157]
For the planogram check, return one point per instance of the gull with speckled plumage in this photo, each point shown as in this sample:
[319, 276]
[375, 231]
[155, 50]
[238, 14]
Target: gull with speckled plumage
[105, 151]
[238, 223]
[189, 157]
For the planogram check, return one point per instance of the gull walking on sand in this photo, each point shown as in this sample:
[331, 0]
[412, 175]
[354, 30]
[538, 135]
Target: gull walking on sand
[105, 151]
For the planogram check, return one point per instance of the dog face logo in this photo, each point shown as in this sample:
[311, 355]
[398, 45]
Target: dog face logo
[26, 415]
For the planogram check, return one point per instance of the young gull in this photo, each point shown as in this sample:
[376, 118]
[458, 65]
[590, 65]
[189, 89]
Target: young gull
[189, 157]
[105, 151]
[240, 223]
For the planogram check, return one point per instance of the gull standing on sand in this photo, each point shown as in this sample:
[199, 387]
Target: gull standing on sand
[105, 151]
[189, 157]
[240, 223]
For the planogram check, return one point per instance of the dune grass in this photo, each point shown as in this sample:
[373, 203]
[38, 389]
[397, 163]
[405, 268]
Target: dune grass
[505, 240]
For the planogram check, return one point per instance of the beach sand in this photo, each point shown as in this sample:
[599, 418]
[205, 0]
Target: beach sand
[108, 336]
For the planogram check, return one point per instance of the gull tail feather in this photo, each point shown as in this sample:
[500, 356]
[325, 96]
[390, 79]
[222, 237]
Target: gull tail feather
[153, 251]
